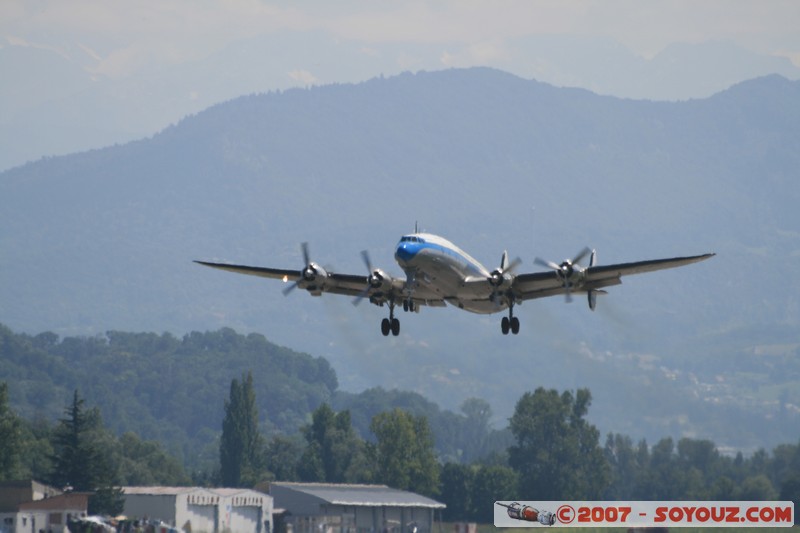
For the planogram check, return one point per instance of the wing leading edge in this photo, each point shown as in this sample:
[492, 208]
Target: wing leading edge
[273, 273]
[316, 280]
[542, 284]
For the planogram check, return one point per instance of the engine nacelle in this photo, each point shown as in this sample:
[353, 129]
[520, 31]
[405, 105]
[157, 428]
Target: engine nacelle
[379, 280]
[312, 279]
[497, 278]
[571, 276]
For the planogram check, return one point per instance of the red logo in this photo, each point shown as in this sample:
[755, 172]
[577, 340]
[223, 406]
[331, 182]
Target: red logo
[565, 514]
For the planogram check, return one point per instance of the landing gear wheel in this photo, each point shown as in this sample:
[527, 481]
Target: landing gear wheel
[510, 322]
[391, 324]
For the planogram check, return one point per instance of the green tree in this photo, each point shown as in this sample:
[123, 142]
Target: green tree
[77, 458]
[623, 462]
[241, 444]
[10, 438]
[476, 431]
[700, 461]
[557, 454]
[334, 453]
[146, 463]
[723, 488]
[38, 438]
[492, 483]
[456, 483]
[660, 478]
[79, 461]
[790, 492]
[757, 488]
[404, 455]
[282, 456]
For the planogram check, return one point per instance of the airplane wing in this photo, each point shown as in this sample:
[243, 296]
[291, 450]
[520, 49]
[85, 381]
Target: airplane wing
[550, 283]
[346, 284]
[274, 273]
[316, 280]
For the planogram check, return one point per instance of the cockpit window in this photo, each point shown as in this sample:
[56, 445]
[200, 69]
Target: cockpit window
[411, 238]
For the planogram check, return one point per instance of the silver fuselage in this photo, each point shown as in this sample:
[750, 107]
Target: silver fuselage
[435, 265]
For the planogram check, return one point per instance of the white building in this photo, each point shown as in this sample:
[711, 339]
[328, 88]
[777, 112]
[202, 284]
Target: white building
[199, 510]
[325, 507]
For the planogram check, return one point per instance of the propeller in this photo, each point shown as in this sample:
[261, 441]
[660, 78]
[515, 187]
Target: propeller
[309, 272]
[566, 269]
[374, 280]
[497, 276]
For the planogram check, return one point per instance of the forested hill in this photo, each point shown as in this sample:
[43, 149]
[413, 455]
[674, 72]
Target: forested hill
[159, 386]
[172, 390]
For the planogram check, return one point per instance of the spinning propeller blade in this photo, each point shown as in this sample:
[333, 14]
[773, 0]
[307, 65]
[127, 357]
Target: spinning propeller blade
[566, 269]
[368, 263]
[306, 268]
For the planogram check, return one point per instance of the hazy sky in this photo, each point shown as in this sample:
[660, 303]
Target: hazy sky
[118, 38]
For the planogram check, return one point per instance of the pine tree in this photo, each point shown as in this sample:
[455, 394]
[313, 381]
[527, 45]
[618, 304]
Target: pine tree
[76, 459]
[79, 463]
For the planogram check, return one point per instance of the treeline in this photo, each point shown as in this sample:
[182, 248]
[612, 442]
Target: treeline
[555, 455]
[328, 449]
[283, 420]
[79, 453]
[169, 389]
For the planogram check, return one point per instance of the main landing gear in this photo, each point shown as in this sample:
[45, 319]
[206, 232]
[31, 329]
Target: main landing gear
[390, 324]
[510, 322]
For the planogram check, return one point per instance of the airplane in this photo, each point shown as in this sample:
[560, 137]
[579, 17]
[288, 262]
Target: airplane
[439, 273]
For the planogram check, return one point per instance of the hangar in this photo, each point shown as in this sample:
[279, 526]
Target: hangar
[333, 507]
[200, 509]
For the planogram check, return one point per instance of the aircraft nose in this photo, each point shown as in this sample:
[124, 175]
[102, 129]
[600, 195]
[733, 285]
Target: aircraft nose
[404, 253]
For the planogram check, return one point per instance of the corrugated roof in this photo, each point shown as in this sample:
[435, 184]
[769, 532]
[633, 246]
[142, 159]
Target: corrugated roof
[363, 495]
[160, 491]
[174, 491]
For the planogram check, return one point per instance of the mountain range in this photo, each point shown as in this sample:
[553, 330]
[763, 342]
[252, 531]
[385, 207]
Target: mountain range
[60, 99]
[104, 240]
